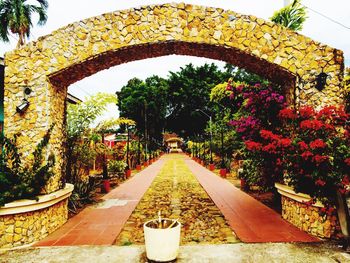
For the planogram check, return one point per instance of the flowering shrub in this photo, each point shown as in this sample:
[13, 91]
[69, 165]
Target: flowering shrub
[257, 109]
[310, 149]
[307, 148]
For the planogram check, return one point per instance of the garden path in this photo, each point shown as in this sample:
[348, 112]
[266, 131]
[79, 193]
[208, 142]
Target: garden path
[249, 219]
[177, 194]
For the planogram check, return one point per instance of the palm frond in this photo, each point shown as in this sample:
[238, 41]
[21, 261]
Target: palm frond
[292, 16]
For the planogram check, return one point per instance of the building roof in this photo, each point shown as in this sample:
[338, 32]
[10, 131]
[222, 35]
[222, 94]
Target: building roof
[72, 99]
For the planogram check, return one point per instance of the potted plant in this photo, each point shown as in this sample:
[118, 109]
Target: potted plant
[116, 168]
[162, 239]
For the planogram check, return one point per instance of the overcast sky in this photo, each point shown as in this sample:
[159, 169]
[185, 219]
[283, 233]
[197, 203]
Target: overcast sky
[63, 12]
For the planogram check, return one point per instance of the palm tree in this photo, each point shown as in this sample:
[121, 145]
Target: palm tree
[292, 16]
[16, 18]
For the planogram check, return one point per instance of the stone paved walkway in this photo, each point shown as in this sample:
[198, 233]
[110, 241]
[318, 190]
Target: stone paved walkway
[177, 194]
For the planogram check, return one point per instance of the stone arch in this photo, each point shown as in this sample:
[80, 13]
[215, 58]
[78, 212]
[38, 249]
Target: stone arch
[53, 62]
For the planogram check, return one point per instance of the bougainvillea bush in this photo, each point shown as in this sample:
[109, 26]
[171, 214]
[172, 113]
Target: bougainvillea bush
[316, 159]
[257, 109]
[306, 148]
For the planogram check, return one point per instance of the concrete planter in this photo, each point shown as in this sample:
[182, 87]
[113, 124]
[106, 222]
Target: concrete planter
[288, 191]
[23, 222]
[308, 218]
[162, 245]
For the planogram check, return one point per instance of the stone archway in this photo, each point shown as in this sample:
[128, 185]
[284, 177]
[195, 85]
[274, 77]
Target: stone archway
[48, 66]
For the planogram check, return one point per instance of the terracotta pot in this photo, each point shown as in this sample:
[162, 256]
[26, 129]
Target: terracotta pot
[223, 172]
[128, 173]
[106, 186]
[145, 164]
[211, 167]
[243, 184]
[138, 167]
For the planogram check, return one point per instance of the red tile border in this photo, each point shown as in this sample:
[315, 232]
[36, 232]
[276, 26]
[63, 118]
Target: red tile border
[251, 220]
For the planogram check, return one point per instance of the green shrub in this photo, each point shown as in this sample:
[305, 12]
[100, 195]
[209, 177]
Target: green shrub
[19, 181]
[116, 167]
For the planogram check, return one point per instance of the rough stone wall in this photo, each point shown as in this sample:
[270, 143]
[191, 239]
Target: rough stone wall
[309, 218]
[25, 228]
[76, 51]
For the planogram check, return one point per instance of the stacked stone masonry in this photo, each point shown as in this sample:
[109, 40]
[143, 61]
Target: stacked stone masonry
[25, 228]
[48, 66]
[310, 218]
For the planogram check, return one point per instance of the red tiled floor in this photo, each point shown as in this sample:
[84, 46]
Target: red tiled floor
[101, 226]
[250, 220]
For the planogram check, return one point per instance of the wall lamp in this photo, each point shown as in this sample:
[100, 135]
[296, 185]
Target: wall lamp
[21, 108]
[321, 81]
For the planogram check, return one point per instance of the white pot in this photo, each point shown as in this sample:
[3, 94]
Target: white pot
[162, 244]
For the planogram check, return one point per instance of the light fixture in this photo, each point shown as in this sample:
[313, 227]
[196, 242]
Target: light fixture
[321, 80]
[27, 91]
[23, 106]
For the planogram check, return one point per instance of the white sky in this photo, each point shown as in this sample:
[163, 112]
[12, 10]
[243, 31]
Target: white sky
[63, 12]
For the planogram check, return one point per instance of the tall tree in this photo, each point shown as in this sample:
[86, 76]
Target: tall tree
[146, 103]
[16, 18]
[189, 90]
[292, 16]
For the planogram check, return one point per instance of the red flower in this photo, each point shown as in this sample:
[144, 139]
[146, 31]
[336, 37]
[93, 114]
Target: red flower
[311, 125]
[347, 161]
[303, 146]
[229, 86]
[285, 142]
[306, 155]
[253, 146]
[327, 111]
[287, 114]
[306, 112]
[320, 182]
[279, 162]
[318, 143]
[320, 159]
[268, 135]
[270, 148]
